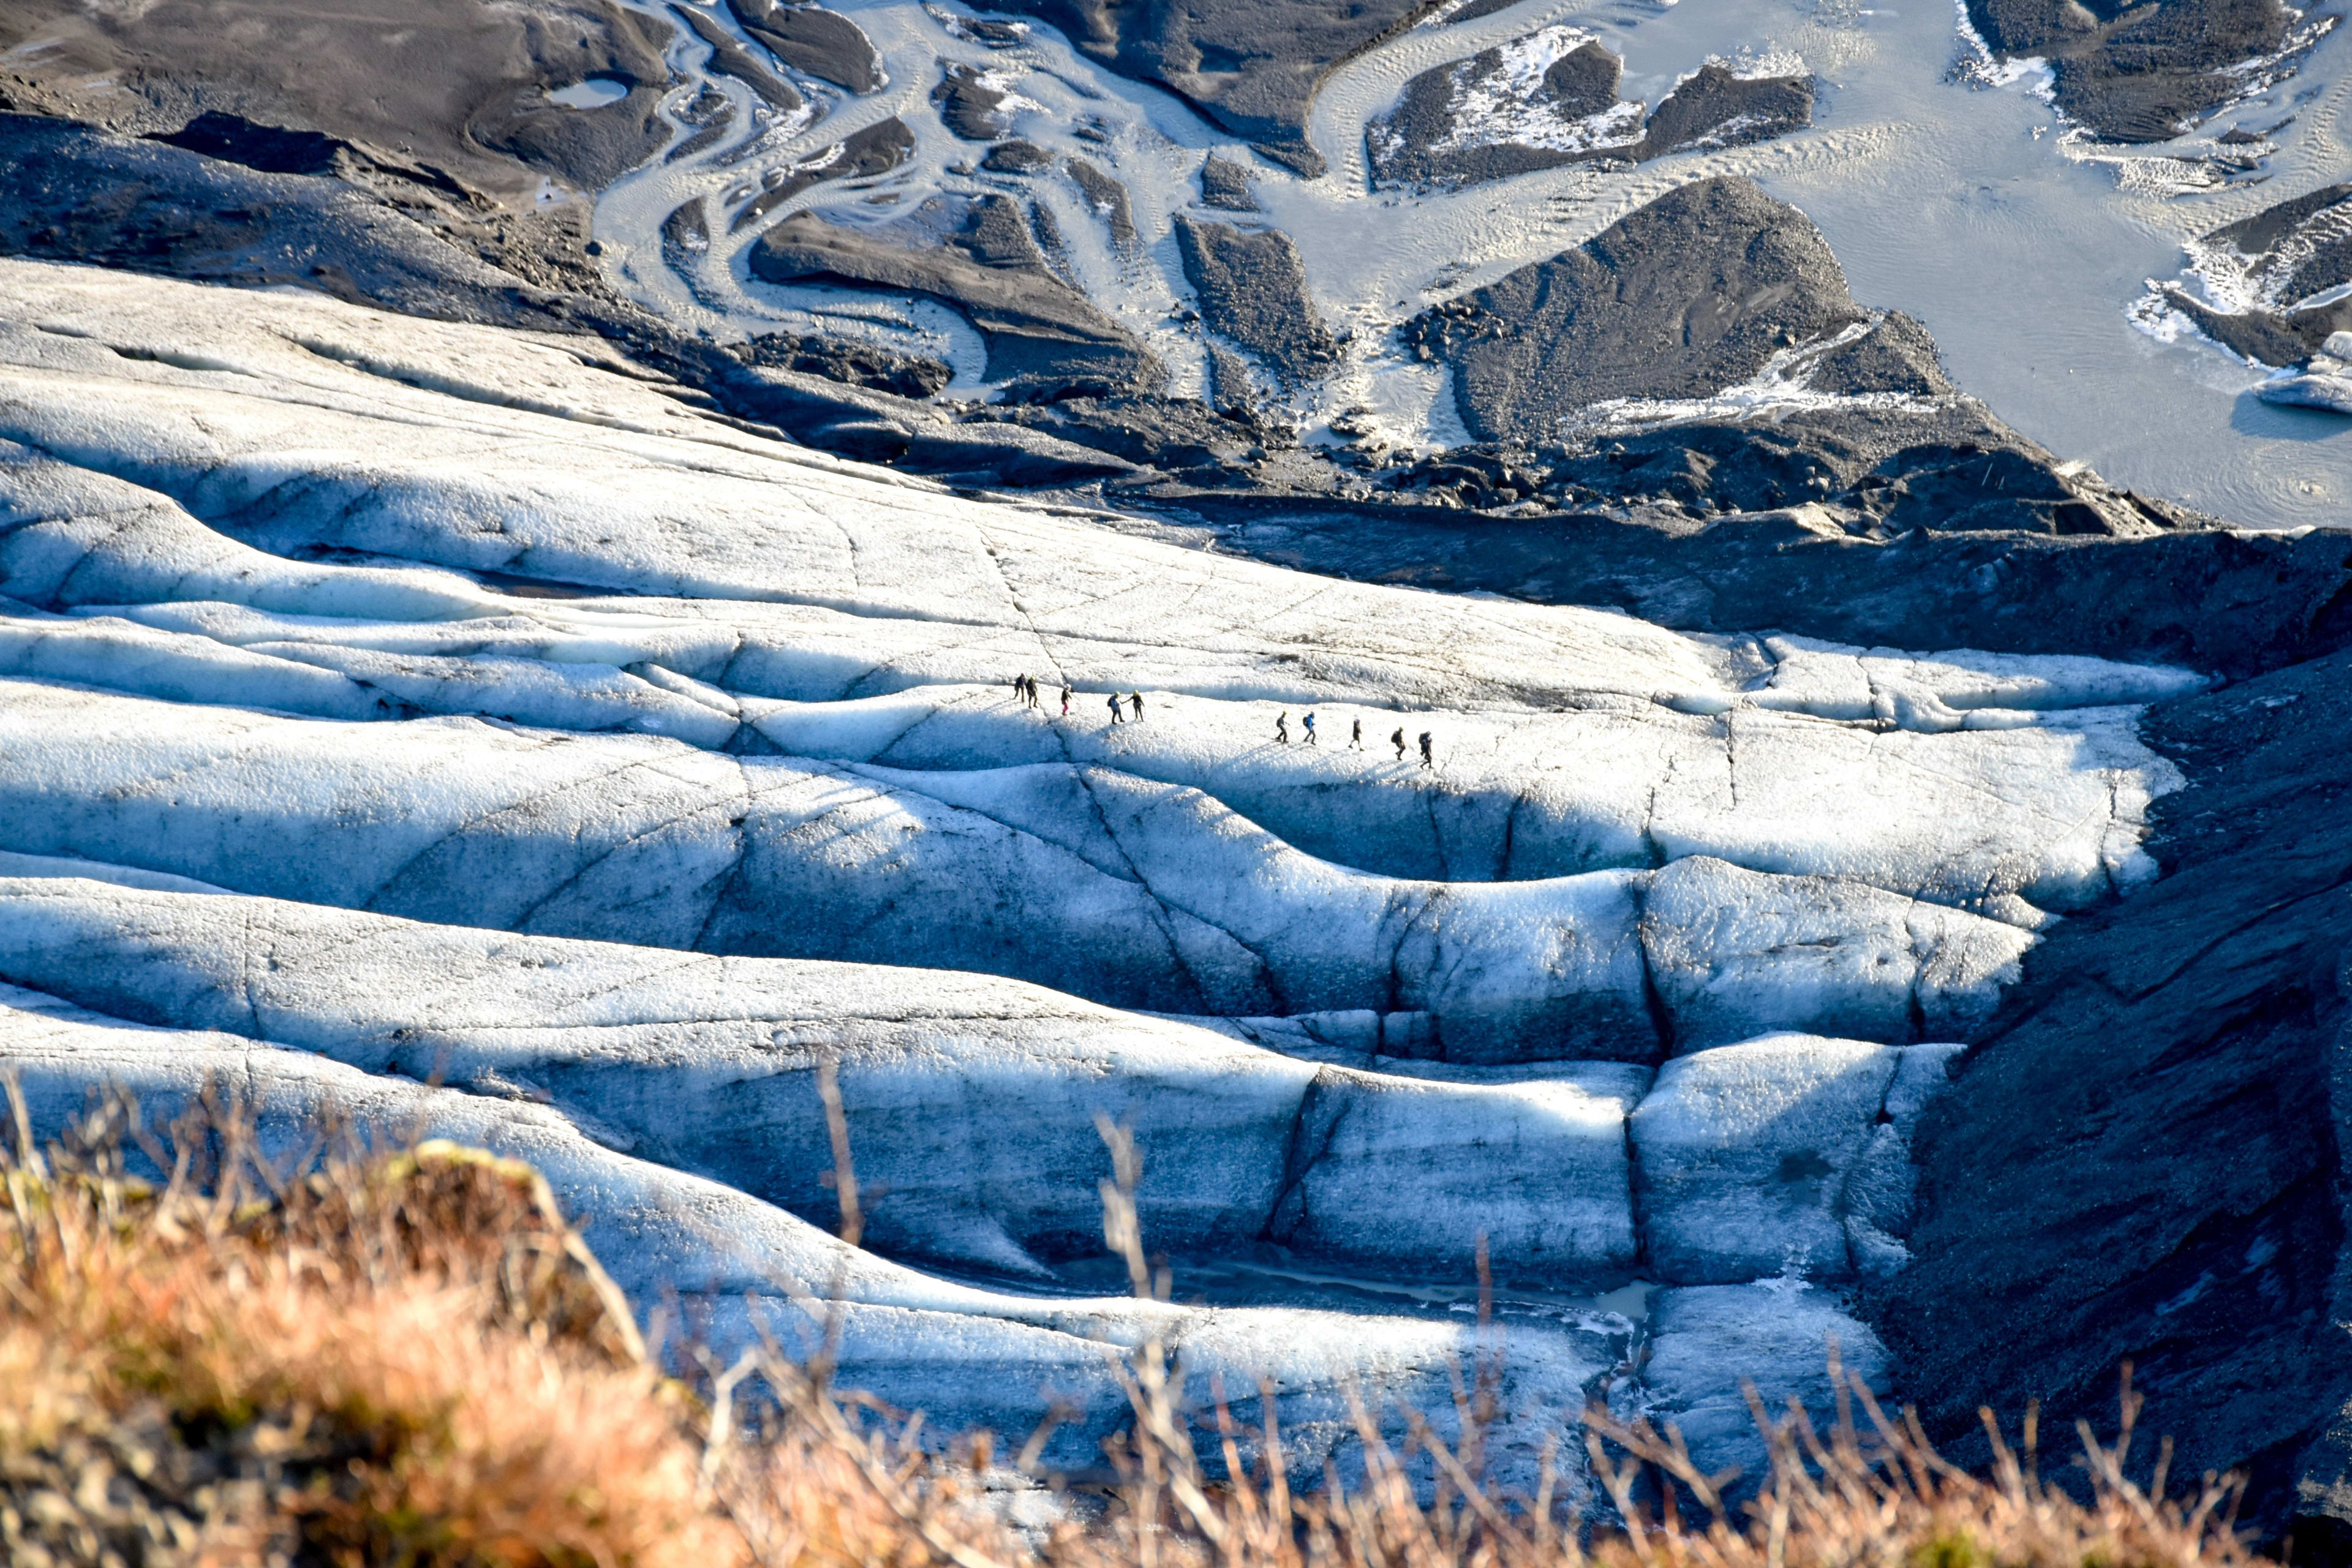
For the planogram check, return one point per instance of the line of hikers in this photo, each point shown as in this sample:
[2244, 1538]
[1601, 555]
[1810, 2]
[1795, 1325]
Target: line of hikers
[1025, 691]
[1355, 736]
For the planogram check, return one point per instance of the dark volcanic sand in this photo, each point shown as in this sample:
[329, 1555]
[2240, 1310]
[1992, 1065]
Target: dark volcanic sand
[1678, 298]
[2136, 73]
[977, 256]
[825, 44]
[450, 83]
[1252, 290]
[1250, 65]
[1410, 144]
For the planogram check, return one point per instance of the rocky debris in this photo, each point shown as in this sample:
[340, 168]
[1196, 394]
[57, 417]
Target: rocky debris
[274, 149]
[1715, 108]
[976, 255]
[1883, 475]
[1251, 66]
[173, 211]
[852, 364]
[2281, 264]
[1016, 158]
[971, 101]
[729, 57]
[1232, 392]
[824, 44]
[1226, 184]
[1108, 198]
[2143, 1162]
[1897, 356]
[1252, 290]
[2146, 73]
[1549, 100]
[1681, 299]
[863, 155]
[2198, 593]
[1179, 437]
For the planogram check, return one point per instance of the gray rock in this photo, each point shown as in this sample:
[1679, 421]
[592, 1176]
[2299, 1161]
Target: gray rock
[2200, 595]
[1252, 290]
[1108, 198]
[825, 44]
[1439, 134]
[712, 115]
[67, 192]
[1016, 158]
[1226, 184]
[1896, 355]
[853, 364]
[1716, 109]
[1680, 298]
[456, 88]
[1425, 141]
[2138, 73]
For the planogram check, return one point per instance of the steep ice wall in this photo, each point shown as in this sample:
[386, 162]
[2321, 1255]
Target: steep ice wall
[649, 1089]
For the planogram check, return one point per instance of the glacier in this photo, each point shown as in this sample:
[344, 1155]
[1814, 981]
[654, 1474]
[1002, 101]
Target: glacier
[461, 729]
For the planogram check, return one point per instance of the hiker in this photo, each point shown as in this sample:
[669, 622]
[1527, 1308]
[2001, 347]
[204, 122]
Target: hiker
[1355, 735]
[1398, 741]
[1066, 699]
[1426, 760]
[1135, 700]
[1031, 681]
[1118, 710]
[1282, 728]
[1310, 730]
[1020, 684]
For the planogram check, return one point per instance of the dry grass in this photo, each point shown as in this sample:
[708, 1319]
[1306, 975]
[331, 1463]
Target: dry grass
[410, 1358]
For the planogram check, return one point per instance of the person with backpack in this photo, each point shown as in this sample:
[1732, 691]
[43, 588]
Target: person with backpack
[1427, 761]
[1282, 727]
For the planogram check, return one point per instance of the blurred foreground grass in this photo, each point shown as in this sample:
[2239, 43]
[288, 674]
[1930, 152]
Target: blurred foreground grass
[404, 1355]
